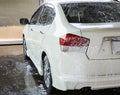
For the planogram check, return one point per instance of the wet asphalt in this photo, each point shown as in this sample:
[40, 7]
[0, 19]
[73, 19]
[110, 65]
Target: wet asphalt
[20, 77]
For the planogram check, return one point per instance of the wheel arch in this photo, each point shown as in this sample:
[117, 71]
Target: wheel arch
[43, 54]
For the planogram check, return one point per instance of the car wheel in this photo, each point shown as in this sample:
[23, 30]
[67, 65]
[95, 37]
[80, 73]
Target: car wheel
[24, 49]
[47, 75]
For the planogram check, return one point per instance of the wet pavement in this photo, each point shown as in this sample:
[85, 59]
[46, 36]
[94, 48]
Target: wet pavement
[20, 77]
[17, 77]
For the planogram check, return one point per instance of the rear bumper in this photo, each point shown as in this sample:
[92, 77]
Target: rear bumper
[76, 72]
[78, 65]
[76, 83]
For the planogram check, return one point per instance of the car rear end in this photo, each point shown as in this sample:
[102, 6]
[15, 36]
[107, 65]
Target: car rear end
[91, 58]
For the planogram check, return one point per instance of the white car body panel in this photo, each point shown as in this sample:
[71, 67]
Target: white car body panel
[103, 34]
[98, 68]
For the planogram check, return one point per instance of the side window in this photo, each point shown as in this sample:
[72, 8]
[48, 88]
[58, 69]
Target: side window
[35, 17]
[47, 15]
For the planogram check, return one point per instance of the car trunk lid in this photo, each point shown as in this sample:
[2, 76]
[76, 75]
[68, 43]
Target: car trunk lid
[104, 40]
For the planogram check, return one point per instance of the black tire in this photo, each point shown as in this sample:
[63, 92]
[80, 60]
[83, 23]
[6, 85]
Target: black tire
[24, 49]
[47, 75]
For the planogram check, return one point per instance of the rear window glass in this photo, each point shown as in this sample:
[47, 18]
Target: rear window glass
[92, 12]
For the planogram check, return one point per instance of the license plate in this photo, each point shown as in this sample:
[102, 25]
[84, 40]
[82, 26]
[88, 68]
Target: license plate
[116, 47]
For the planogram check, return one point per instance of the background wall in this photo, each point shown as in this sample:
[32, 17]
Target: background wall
[10, 13]
[12, 10]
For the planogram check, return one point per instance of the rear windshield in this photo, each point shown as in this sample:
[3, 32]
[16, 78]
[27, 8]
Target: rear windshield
[92, 12]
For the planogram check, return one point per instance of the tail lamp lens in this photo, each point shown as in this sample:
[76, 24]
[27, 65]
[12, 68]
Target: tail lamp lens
[74, 41]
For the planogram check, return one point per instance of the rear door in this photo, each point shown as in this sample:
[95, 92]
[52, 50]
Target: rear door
[30, 33]
[44, 22]
[36, 33]
[39, 25]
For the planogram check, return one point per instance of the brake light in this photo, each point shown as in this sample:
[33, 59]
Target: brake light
[74, 41]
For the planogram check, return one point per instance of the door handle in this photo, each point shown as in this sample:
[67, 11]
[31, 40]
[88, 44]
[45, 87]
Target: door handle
[41, 32]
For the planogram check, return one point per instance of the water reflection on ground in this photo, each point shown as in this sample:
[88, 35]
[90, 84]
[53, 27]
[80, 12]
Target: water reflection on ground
[18, 77]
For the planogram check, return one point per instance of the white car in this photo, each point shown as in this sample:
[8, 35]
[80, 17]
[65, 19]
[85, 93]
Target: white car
[75, 44]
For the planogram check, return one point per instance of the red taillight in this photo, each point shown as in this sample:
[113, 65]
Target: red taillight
[73, 41]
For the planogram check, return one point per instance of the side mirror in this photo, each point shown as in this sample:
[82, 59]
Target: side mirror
[24, 21]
